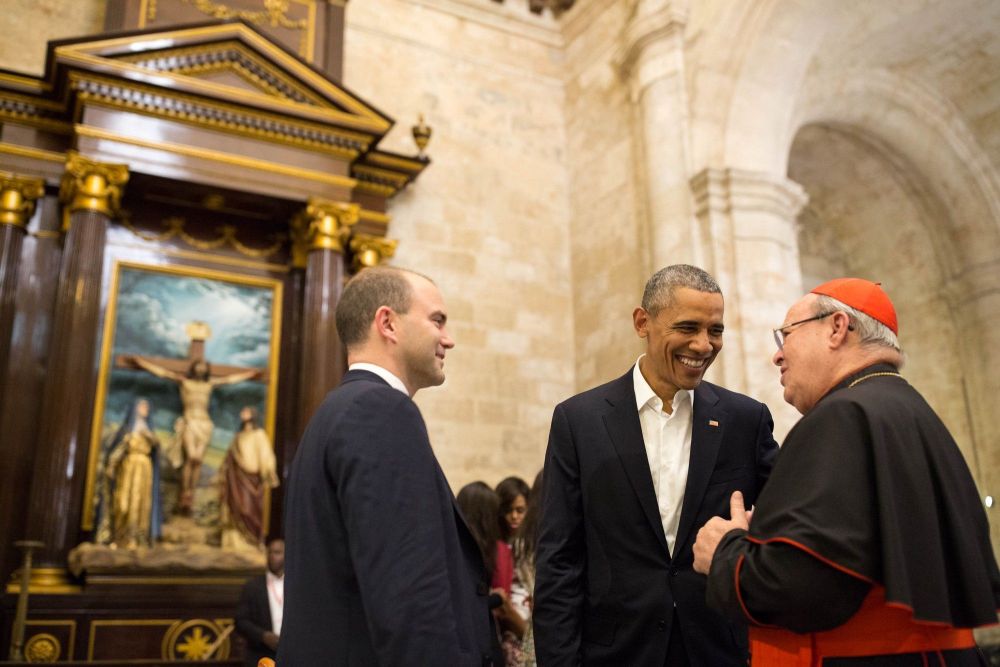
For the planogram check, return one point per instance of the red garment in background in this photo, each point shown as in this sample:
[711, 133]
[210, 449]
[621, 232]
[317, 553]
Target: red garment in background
[503, 574]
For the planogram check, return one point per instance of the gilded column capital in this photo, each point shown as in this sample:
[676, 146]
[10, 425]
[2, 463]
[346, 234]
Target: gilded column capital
[18, 195]
[368, 250]
[322, 225]
[91, 186]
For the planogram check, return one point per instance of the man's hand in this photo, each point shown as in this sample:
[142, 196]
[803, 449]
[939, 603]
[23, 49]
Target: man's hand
[270, 640]
[712, 532]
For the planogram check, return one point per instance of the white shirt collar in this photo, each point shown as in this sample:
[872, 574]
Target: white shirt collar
[644, 394]
[388, 376]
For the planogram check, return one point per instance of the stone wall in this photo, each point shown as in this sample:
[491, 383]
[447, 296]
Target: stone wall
[488, 220]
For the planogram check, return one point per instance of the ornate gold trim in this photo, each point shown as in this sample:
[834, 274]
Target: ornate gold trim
[211, 90]
[381, 175]
[277, 288]
[35, 84]
[374, 216]
[274, 13]
[29, 152]
[212, 258]
[363, 115]
[42, 647]
[44, 581]
[220, 157]
[91, 186]
[376, 189]
[371, 250]
[227, 118]
[175, 227]
[194, 60]
[172, 649]
[323, 225]
[46, 234]
[18, 195]
[393, 161]
[57, 623]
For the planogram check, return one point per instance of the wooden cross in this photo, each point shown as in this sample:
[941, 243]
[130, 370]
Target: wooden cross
[199, 332]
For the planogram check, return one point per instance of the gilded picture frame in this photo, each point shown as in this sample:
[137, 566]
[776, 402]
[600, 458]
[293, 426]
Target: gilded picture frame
[153, 312]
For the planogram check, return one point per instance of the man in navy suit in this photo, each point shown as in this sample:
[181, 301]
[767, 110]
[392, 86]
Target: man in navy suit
[381, 569]
[259, 614]
[633, 469]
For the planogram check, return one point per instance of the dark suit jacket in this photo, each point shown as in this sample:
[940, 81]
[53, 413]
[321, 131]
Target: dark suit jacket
[607, 587]
[380, 568]
[253, 618]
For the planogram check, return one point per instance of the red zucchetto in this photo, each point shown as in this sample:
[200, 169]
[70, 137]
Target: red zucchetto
[862, 295]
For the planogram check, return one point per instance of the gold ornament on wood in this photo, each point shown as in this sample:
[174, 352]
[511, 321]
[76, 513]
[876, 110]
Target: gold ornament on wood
[421, 134]
[17, 198]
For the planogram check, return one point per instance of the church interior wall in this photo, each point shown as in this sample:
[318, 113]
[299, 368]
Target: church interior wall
[488, 220]
[533, 216]
[608, 240]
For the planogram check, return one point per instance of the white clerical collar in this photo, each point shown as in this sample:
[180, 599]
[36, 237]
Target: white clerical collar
[644, 394]
[388, 376]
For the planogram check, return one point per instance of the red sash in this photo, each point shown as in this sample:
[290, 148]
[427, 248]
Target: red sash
[877, 628]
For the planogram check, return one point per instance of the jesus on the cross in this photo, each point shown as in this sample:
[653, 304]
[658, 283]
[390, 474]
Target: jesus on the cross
[195, 378]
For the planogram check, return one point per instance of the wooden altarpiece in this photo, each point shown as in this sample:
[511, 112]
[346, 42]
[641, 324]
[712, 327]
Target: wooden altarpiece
[212, 153]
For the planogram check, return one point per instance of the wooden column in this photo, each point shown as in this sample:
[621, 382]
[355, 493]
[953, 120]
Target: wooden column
[17, 204]
[90, 193]
[320, 233]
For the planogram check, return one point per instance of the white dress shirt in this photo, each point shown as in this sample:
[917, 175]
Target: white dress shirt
[393, 381]
[667, 437]
[275, 599]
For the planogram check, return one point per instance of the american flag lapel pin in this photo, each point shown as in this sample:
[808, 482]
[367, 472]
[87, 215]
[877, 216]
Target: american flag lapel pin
[712, 422]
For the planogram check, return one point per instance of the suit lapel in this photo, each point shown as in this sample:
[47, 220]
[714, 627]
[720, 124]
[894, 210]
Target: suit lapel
[708, 425]
[622, 423]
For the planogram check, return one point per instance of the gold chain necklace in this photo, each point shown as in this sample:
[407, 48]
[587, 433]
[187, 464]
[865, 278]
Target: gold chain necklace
[873, 375]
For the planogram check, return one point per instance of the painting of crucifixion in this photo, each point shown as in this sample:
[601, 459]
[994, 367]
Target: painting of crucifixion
[199, 346]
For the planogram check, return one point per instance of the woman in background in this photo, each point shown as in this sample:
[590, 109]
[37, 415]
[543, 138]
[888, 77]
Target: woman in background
[524, 568]
[513, 493]
[480, 506]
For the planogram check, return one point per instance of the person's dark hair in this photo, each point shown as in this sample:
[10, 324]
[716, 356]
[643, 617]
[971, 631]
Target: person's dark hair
[368, 291]
[527, 535]
[272, 538]
[659, 292]
[194, 375]
[507, 491]
[478, 504]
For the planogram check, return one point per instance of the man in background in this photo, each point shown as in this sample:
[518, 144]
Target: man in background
[633, 468]
[258, 616]
[869, 545]
[381, 567]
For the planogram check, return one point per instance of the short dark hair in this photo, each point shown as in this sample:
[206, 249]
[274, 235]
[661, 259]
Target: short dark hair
[368, 291]
[659, 292]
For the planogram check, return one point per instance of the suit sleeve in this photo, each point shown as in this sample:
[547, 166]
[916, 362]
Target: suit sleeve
[560, 568]
[779, 585]
[399, 531]
[245, 620]
[767, 448]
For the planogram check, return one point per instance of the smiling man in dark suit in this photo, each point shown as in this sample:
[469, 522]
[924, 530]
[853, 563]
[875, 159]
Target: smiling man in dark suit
[633, 469]
[381, 568]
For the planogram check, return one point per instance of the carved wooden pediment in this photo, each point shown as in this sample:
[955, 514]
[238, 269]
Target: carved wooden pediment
[221, 95]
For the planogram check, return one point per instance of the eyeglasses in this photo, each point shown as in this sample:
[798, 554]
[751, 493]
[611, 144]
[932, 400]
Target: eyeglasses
[780, 334]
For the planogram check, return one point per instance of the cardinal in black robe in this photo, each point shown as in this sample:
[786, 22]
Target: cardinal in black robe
[869, 544]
